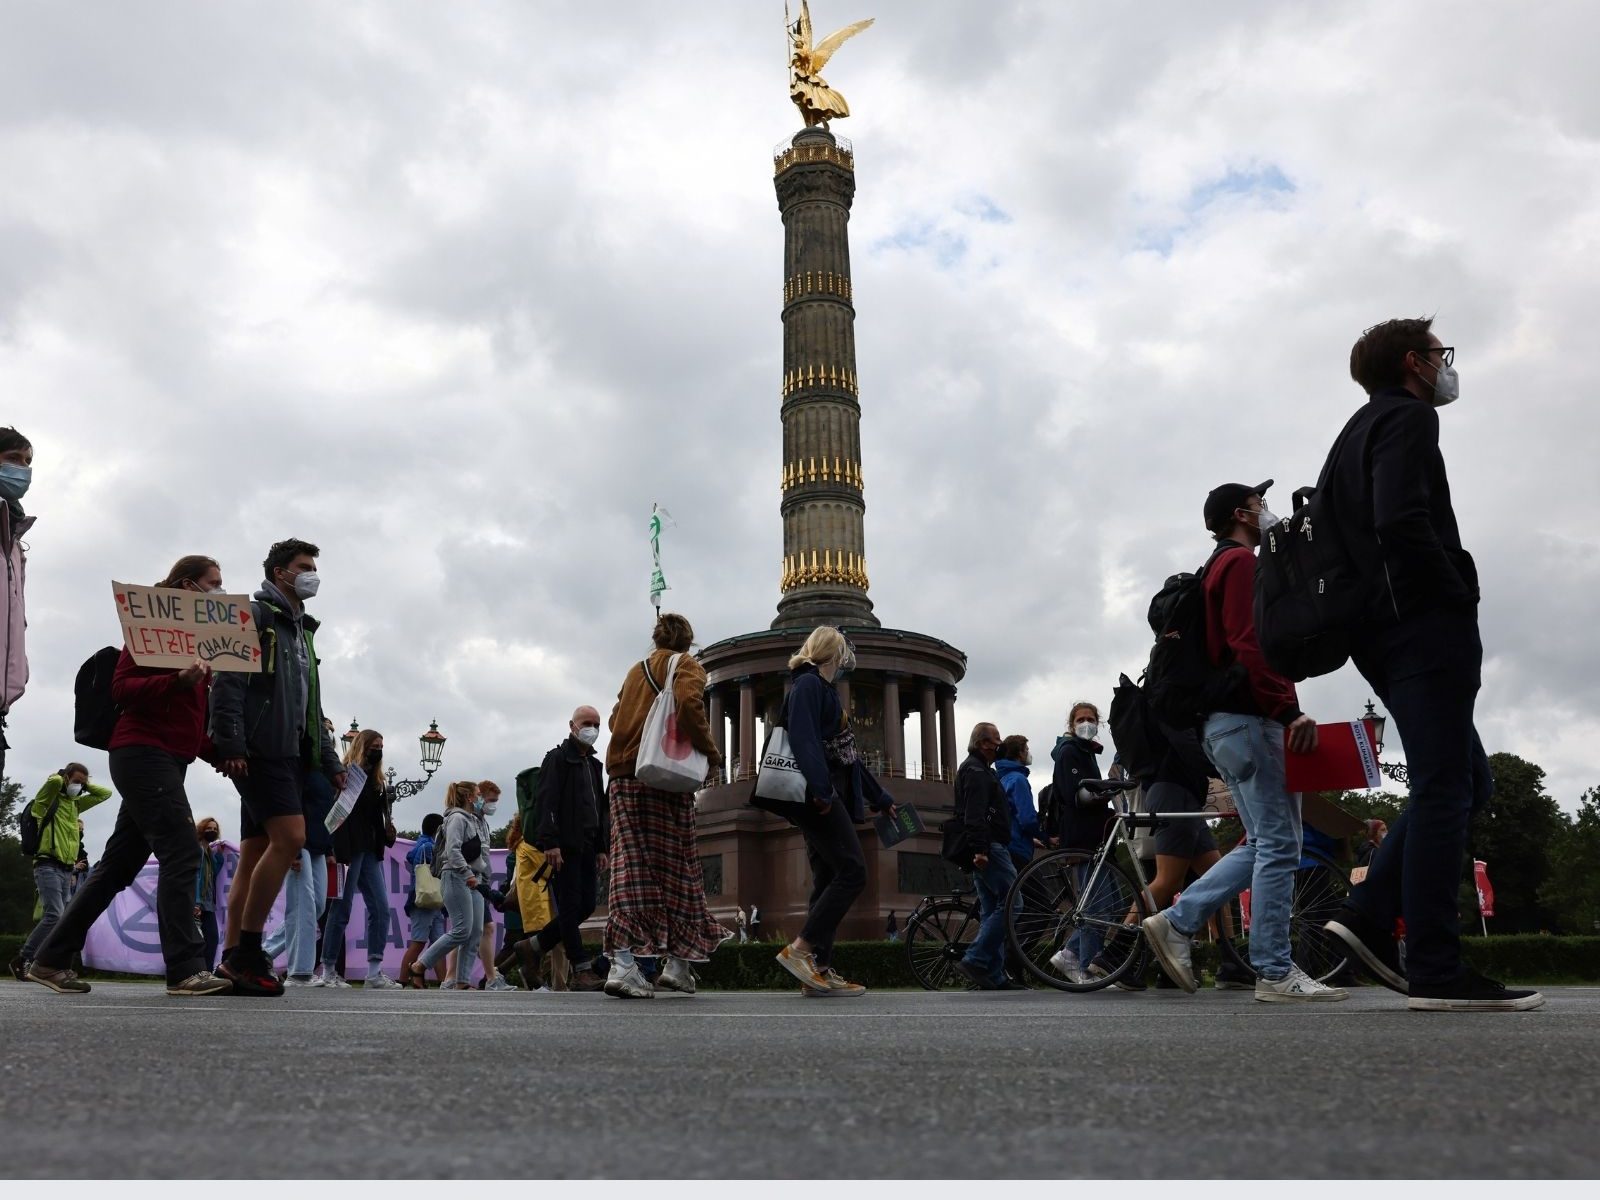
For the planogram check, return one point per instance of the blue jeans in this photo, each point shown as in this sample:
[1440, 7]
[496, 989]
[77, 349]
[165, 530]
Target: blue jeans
[987, 952]
[365, 873]
[55, 888]
[465, 906]
[305, 893]
[1426, 671]
[1105, 905]
[1248, 754]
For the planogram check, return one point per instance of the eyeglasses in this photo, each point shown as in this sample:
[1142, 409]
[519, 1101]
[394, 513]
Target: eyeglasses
[1449, 353]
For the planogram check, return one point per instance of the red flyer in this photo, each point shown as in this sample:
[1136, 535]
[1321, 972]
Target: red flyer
[1345, 760]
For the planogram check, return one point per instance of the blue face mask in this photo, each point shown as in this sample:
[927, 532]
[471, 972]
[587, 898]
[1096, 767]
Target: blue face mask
[14, 481]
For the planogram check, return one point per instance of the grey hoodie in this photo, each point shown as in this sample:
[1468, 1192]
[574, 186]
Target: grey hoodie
[461, 824]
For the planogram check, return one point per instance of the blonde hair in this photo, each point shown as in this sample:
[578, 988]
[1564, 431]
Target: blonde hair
[825, 645]
[357, 753]
[460, 793]
[673, 632]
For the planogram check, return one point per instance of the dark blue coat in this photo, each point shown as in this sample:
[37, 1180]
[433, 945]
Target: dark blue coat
[812, 714]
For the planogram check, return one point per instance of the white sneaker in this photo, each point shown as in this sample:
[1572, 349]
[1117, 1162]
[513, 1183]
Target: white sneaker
[302, 981]
[1068, 967]
[677, 976]
[1296, 986]
[318, 979]
[499, 984]
[628, 984]
[379, 982]
[1172, 950]
[335, 980]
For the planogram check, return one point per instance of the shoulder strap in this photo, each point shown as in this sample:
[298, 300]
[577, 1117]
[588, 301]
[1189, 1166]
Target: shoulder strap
[644, 665]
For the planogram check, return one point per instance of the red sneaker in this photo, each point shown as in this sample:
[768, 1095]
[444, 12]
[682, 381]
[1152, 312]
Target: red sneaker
[250, 978]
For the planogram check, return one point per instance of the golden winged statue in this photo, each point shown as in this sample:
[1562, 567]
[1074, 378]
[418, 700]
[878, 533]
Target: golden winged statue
[817, 102]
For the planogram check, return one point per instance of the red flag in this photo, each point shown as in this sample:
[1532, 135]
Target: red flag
[1480, 873]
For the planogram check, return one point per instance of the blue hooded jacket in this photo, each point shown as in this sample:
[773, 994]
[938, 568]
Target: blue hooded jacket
[1024, 816]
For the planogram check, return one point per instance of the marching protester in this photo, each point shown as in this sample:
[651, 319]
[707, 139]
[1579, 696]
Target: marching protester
[461, 855]
[530, 885]
[657, 902]
[16, 474]
[839, 789]
[1421, 651]
[269, 732]
[1245, 740]
[306, 893]
[1067, 823]
[1376, 831]
[493, 981]
[206, 881]
[1012, 768]
[64, 795]
[574, 829]
[160, 730]
[426, 920]
[359, 843]
[984, 810]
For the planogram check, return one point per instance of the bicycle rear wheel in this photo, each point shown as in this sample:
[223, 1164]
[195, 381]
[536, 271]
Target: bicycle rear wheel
[1061, 901]
[936, 937]
[1318, 893]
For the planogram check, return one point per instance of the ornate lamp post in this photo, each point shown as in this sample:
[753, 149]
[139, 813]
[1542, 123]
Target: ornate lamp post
[432, 752]
[1379, 723]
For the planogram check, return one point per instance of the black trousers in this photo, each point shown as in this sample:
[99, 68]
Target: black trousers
[838, 874]
[208, 937]
[154, 819]
[1426, 673]
[573, 888]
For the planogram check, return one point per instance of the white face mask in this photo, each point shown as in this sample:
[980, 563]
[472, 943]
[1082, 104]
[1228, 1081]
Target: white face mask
[1087, 730]
[488, 809]
[589, 735]
[1446, 387]
[74, 789]
[306, 584]
[1264, 519]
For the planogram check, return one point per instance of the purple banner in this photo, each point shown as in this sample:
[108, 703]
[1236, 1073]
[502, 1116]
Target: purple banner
[126, 937]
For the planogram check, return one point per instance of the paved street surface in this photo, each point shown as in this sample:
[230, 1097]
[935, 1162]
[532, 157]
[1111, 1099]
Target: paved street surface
[127, 1082]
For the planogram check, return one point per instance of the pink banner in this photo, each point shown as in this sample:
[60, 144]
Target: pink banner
[126, 936]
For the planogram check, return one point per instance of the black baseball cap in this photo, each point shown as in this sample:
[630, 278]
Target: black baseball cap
[1223, 499]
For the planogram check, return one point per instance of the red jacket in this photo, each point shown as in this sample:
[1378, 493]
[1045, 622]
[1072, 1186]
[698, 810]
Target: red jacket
[158, 711]
[1230, 591]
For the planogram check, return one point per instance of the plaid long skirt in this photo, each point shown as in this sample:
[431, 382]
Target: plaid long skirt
[657, 902]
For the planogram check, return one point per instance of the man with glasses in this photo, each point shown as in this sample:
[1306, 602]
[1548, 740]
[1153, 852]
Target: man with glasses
[1420, 650]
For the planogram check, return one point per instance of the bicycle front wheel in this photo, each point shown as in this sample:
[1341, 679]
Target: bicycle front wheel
[1075, 925]
[936, 938]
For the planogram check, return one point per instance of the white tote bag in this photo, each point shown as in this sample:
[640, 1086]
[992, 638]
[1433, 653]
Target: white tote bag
[780, 778]
[667, 759]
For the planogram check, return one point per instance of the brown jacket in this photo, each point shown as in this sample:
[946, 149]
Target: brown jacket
[633, 705]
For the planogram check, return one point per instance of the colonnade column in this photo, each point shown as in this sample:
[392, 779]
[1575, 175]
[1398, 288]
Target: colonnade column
[894, 734]
[930, 731]
[947, 731]
[719, 728]
[747, 728]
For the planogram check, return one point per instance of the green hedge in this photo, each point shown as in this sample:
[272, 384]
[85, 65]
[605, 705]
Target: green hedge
[1515, 958]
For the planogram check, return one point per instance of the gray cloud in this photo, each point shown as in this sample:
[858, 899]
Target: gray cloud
[458, 292]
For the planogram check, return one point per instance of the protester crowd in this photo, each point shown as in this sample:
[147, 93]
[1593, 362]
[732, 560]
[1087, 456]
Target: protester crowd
[1413, 636]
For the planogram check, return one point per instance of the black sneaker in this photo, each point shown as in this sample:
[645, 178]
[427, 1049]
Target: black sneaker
[250, 977]
[1233, 978]
[1471, 992]
[974, 976]
[1375, 950]
[18, 969]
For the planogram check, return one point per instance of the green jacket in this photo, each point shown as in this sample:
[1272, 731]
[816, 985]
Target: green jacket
[59, 839]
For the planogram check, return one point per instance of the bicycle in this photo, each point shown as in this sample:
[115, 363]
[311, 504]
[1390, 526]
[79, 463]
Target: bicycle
[938, 933]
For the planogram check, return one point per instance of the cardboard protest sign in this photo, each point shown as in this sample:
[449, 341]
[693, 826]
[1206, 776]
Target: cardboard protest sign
[172, 627]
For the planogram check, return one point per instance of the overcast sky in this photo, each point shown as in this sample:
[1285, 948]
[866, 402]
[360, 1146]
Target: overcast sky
[456, 291]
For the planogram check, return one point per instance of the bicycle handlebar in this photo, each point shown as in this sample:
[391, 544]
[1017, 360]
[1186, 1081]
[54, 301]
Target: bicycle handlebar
[1094, 792]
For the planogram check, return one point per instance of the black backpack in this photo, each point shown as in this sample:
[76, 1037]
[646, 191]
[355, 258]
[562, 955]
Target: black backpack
[1141, 744]
[29, 826]
[1180, 685]
[1311, 597]
[95, 713]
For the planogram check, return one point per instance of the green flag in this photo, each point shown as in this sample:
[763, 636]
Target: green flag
[658, 581]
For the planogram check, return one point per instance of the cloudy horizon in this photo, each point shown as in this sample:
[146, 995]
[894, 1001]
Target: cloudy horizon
[458, 292]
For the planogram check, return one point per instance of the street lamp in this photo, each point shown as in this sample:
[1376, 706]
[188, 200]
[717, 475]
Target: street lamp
[432, 744]
[348, 737]
[1380, 723]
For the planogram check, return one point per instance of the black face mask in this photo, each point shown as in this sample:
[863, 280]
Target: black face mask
[374, 757]
[210, 835]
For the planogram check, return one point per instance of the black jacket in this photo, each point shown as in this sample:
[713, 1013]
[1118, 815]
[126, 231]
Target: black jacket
[574, 813]
[1390, 497]
[812, 714]
[365, 830]
[1064, 818]
[315, 802]
[982, 805]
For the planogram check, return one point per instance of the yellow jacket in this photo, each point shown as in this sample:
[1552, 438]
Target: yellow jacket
[533, 899]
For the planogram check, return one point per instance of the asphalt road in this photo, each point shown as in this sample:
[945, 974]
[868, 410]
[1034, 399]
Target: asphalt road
[127, 1082]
